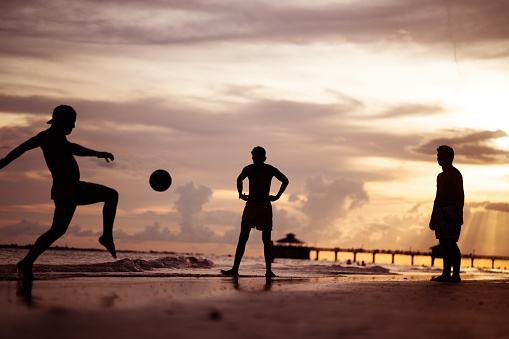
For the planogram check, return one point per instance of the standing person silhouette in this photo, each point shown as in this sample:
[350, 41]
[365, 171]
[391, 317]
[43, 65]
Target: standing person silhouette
[447, 215]
[258, 210]
[67, 191]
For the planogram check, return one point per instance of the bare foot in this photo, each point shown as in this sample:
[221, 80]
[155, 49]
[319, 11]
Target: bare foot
[455, 278]
[25, 271]
[110, 246]
[230, 273]
[441, 278]
[270, 275]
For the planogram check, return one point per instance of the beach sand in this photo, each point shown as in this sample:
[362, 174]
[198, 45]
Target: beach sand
[396, 306]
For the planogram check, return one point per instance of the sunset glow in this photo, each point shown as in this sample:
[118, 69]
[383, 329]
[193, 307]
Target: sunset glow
[350, 100]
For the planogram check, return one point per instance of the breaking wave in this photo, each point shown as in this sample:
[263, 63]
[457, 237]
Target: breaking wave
[8, 272]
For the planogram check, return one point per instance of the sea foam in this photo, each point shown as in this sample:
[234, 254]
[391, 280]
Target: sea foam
[118, 266]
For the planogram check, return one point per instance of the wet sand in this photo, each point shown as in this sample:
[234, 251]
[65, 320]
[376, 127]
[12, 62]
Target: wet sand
[401, 306]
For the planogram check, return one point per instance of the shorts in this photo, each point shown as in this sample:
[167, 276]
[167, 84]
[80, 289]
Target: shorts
[446, 223]
[257, 216]
[71, 192]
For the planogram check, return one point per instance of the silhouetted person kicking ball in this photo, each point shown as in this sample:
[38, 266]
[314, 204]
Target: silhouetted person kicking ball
[258, 210]
[67, 191]
[447, 216]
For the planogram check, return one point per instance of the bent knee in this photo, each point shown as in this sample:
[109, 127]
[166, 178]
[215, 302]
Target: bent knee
[113, 195]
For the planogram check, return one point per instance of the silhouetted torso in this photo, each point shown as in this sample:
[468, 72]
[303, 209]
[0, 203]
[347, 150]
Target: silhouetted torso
[59, 157]
[449, 188]
[260, 177]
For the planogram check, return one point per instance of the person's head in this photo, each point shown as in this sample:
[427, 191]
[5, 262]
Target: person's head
[445, 155]
[258, 155]
[63, 118]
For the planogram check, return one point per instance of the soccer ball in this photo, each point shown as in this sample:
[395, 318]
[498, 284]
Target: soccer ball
[160, 180]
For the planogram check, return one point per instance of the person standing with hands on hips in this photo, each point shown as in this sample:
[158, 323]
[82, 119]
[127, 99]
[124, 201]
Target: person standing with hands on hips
[258, 210]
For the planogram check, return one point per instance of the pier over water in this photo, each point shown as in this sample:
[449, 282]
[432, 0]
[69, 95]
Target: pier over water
[432, 255]
[291, 247]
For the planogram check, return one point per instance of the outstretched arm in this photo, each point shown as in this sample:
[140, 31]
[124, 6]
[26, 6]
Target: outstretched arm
[18, 151]
[284, 183]
[86, 152]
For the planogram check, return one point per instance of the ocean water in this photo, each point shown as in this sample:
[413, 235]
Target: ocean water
[59, 264]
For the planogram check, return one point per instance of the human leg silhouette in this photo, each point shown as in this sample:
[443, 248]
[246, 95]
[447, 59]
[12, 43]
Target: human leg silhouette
[267, 252]
[447, 257]
[239, 252]
[64, 211]
[62, 217]
[98, 193]
[452, 259]
[453, 254]
[456, 259]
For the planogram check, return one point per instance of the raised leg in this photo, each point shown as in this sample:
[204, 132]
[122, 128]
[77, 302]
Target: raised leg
[98, 193]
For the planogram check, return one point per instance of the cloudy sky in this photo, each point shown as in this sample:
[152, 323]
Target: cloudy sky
[350, 99]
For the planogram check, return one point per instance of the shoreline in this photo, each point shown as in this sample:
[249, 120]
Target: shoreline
[191, 267]
[351, 256]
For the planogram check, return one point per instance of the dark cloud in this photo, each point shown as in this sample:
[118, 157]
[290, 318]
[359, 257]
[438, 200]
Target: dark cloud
[313, 123]
[34, 228]
[156, 232]
[34, 104]
[78, 231]
[469, 146]
[24, 227]
[175, 22]
[149, 111]
[498, 206]
[264, 118]
[152, 232]
[164, 133]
